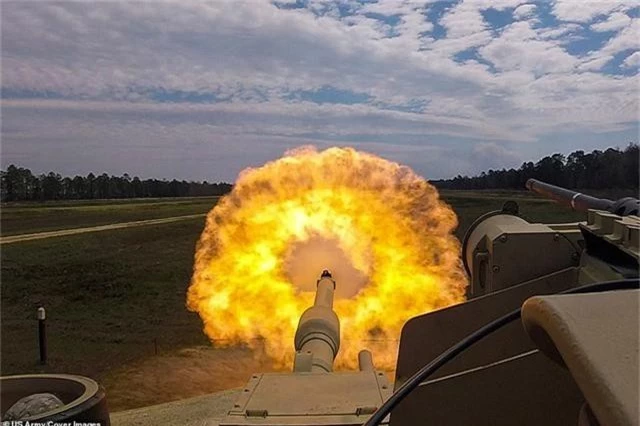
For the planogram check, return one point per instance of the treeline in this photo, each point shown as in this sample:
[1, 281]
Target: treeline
[613, 168]
[19, 184]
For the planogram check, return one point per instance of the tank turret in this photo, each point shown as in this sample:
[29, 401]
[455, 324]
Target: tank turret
[313, 394]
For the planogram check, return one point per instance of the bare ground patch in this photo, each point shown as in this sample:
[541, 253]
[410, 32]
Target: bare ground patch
[181, 374]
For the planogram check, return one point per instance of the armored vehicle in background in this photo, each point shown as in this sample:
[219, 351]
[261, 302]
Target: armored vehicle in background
[572, 359]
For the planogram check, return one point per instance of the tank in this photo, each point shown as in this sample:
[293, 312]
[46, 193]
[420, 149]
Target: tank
[560, 359]
[531, 370]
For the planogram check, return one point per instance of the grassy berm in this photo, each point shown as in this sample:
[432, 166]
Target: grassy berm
[115, 300]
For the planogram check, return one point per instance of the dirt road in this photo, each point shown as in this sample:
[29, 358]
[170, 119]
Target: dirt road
[65, 232]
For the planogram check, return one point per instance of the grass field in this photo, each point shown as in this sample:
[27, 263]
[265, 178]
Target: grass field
[115, 300]
[24, 218]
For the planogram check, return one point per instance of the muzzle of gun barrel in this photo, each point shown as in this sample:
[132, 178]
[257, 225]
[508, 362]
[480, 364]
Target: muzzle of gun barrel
[317, 338]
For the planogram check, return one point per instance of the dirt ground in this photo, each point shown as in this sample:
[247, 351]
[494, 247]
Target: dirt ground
[181, 374]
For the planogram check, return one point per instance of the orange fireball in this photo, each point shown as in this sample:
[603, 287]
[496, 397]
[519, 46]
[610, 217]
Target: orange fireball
[380, 228]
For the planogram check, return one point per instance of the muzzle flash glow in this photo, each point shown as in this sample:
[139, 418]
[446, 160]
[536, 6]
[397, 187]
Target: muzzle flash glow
[378, 227]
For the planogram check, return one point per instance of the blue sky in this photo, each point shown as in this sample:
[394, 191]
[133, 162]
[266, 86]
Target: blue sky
[201, 90]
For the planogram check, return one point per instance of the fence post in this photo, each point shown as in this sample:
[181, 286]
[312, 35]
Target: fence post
[42, 335]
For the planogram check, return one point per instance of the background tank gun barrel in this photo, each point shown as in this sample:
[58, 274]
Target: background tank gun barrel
[573, 199]
[317, 338]
[582, 202]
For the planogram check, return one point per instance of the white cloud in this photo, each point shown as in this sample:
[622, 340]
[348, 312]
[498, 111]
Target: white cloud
[463, 20]
[595, 64]
[518, 47]
[633, 60]
[271, 117]
[567, 102]
[494, 4]
[524, 11]
[447, 47]
[116, 59]
[391, 7]
[559, 31]
[466, 27]
[625, 39]
[587, 10]
[212, 143]
[614, 22]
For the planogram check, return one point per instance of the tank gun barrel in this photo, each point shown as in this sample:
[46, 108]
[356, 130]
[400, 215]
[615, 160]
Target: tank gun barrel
[582, 202]
[317, 338]
[573, 199]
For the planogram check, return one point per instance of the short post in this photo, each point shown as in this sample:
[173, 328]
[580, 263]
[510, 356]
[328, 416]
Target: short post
[365, 360]
[42, 335]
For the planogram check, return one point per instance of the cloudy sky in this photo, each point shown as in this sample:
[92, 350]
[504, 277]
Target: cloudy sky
[201, 90]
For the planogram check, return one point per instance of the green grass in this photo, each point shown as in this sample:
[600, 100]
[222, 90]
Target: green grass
[110, 294]
[100, 202]
[25, 218]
